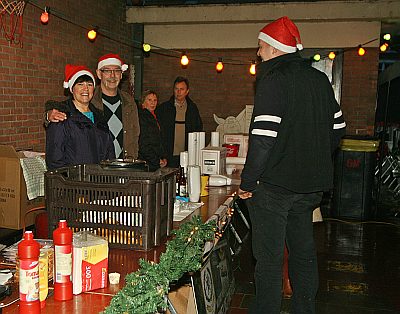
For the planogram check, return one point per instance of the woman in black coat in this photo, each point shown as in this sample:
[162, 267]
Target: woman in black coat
[150, 144]
[84, 137]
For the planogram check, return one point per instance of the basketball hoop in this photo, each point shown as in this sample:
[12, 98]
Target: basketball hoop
[11, 12]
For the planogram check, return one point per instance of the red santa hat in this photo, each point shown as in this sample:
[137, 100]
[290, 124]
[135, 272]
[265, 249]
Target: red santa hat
[282, 34]
[73, 72]
[111, 59]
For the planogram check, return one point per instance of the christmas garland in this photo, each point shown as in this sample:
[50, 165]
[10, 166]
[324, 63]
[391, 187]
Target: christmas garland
[145, 290]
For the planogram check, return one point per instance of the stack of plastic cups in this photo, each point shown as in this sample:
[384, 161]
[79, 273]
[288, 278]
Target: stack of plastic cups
[184, 159]
[214, 139]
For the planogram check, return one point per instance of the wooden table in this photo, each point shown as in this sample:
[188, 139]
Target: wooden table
[122, 261]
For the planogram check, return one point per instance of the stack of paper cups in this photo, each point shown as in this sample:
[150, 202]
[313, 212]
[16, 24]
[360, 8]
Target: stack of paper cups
[192, 151]
[184, 159]
[194, 183]
[215, 139]
[201, 143]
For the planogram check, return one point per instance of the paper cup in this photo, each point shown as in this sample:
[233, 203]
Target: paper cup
[114, 278]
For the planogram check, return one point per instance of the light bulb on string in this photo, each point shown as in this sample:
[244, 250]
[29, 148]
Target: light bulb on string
[184, 60]
[146, 47]
[387, 36]
[332, 55]
[252, 69]
[44, 17]
[219, 66]
[384, 47]
[317, 57]
[361, 51]
[92, 34]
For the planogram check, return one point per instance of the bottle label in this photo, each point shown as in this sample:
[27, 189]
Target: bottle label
[63, 263]
[182, 191]
[28, 280]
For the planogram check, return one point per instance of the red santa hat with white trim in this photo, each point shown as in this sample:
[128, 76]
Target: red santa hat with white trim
[111, 59]
[282, 34]
[73, 72]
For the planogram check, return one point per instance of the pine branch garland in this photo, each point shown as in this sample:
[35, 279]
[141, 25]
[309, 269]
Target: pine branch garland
[145, 290]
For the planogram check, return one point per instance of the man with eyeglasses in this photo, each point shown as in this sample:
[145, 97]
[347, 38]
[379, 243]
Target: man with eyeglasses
[119, 108]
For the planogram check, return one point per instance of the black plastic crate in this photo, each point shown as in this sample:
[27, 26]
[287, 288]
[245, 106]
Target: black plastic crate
[132, 209]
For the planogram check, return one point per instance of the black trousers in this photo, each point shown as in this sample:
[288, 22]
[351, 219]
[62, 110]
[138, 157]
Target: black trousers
[277, 217]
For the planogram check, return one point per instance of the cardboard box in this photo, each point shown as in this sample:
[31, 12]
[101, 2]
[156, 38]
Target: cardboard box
[14, 202]
[213, 160]
[241, 139]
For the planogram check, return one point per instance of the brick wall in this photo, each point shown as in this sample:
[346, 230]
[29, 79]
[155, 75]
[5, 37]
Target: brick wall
[224, 94]
[359, 90]
[34, 73]
[227, 93]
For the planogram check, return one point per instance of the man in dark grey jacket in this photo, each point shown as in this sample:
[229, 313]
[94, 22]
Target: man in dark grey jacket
[178, 117]
[296, 126]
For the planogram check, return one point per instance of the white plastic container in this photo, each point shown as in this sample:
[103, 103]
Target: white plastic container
[219, 180]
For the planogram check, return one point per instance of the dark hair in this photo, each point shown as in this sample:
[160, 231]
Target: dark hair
[147, 93]
[83, 78]
[182, 79]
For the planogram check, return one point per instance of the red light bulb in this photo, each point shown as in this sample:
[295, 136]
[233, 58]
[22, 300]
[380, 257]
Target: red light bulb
[44, 18]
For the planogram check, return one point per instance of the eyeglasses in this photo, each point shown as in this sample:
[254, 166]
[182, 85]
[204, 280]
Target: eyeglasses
[109, 72]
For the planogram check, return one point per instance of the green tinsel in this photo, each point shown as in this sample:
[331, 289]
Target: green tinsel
[146, 289]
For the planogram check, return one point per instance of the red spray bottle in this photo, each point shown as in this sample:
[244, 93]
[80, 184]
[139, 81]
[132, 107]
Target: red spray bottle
[62, 238]
[28, 254]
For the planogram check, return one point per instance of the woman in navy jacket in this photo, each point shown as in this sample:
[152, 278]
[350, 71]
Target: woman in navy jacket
[151, 148]
[84, 137]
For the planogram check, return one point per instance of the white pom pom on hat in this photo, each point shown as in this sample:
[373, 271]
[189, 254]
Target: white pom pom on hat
[111, 59]
[73, 72]
[282, 34]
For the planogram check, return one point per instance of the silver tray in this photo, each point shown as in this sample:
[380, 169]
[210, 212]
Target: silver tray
[125, 163]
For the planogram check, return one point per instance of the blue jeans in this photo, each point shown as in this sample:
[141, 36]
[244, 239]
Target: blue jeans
[277, 217]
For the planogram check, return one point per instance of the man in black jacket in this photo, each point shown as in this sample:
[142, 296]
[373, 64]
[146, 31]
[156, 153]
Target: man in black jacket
[178, 117]
[296, 126]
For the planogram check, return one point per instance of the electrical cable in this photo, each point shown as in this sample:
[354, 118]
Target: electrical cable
[176, 54]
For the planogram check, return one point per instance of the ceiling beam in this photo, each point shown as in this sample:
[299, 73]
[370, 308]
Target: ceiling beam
[321, 11]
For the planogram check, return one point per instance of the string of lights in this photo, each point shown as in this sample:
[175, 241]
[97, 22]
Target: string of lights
[147, 48]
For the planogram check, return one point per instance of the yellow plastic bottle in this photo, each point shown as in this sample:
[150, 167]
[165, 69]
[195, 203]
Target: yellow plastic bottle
[43, 277]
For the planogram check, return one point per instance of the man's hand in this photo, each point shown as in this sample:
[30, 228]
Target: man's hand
[54, 115]
[244, 194]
